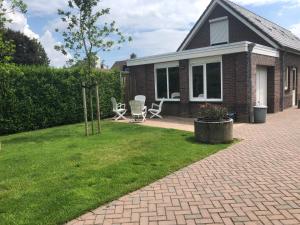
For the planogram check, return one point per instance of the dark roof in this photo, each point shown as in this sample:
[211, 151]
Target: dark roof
[119, 65]
[276, 33]
[279, 34]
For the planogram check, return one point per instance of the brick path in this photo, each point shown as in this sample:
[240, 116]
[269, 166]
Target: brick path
[256, 181]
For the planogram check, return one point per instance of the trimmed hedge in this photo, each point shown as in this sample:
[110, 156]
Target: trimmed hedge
[39, 97]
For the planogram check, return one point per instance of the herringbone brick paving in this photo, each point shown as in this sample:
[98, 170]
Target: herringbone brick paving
[256, 181]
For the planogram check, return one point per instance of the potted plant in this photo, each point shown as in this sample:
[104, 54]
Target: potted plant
[213, 125]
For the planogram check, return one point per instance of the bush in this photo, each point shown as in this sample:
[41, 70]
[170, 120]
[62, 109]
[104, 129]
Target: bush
[40, 97]
[213, 113]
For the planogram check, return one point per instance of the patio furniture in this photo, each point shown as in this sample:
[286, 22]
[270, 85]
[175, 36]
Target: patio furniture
[118, 109]
[141, 98]
[175, 95]
[137, 110]
[156, 109]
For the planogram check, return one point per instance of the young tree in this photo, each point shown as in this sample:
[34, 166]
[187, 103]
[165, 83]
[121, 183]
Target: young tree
[84, 37]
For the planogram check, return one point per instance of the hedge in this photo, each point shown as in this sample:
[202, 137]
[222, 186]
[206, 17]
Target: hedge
[39, 97]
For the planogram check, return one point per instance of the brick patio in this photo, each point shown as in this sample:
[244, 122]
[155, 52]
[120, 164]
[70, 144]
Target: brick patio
[256, 181]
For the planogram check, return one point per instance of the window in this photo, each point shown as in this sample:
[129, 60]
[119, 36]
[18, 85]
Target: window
[198, 81]
[206, 80]
[219, 33]
[213, 77]
[167, 82]
[287, 79]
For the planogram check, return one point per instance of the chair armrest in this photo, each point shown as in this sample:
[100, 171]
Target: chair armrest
[155, 105]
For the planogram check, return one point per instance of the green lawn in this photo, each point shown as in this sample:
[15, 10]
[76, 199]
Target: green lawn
[54, 175]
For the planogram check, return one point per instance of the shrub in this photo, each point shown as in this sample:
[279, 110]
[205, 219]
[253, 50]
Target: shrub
[40, 97]
[213, 113]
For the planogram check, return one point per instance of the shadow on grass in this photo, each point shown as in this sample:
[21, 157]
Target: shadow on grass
[40, 138]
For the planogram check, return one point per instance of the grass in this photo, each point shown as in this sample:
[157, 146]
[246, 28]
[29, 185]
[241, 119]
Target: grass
[54, 175]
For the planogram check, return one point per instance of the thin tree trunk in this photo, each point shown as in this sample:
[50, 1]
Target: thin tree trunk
[92, 111]
[85, 110]
[98, 107]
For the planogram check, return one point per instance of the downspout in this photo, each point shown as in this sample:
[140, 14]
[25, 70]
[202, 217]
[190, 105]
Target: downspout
[249, 77]
[282, 77]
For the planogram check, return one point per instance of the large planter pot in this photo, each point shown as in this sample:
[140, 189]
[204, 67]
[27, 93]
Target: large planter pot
[213, 132]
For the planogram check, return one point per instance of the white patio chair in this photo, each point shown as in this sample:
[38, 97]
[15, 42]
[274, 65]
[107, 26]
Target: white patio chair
[118, 109]
[137, 110]
[175, 95]
[142, 98]
[156, 109]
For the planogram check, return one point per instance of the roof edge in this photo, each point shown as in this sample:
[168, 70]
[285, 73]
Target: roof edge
[205, 52]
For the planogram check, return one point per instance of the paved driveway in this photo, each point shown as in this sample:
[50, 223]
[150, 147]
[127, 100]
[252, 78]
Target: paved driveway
[256, 181]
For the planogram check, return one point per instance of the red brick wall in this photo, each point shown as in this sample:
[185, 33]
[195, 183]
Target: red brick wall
[237, 31]
[234, 87]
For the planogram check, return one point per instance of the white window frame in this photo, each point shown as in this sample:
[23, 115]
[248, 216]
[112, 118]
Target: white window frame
[287, 79]
[216, 20]
[165, 66]
[203, 62]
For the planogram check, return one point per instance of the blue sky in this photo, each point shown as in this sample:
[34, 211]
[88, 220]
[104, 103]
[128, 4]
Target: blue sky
[157, 26]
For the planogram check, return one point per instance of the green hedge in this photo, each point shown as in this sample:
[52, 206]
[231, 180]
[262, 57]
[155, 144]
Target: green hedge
[39, 97]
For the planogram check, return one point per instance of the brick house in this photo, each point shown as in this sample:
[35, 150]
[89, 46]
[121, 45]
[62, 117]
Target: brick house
[231, 57]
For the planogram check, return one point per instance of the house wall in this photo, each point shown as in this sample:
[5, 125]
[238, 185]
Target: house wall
[291, 60]
[235, 87]
[237, 31]
[274, 80]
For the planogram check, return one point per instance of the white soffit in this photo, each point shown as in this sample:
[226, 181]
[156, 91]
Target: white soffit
[204, 52]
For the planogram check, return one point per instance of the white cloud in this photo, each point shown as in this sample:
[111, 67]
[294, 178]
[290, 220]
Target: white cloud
[158, 41]
[45, 7]
[296, 29]
[20, 23]
[266, 2]
[57, 58]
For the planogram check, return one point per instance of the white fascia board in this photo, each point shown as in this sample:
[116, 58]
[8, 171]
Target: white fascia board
[191, 54]
[264, 50]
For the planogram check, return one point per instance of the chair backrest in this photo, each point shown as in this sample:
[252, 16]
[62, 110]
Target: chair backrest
[175, 95]
[161, 104]
[114, 103]
[136, 107]
[141, 98]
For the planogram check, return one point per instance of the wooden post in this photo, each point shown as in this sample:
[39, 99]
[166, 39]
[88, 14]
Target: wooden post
[98, 107]
[92, 111]
[85, 109]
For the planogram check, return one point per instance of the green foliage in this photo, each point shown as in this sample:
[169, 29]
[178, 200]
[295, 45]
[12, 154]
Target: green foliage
[213, 113]
[39, 97]
[7, 49]
[27, 51]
